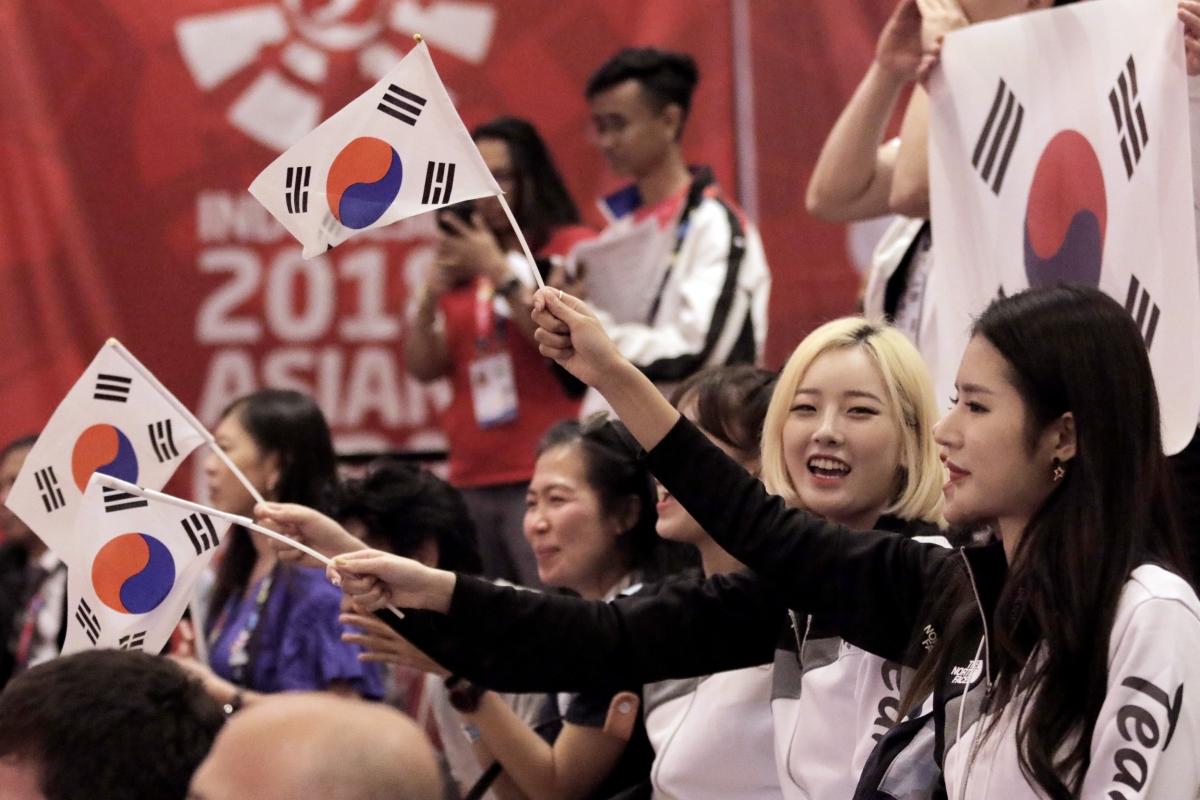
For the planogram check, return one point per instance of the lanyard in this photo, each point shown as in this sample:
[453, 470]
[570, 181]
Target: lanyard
[239, 651]
[489, 328]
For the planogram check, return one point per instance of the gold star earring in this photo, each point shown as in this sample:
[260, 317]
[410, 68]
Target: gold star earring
[1059, 471]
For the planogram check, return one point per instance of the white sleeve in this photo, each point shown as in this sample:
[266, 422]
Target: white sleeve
[700, 300]
[1146, 742]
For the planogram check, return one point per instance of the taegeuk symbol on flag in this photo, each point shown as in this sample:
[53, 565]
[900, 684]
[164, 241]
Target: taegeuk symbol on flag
[396, 151]
[116, 420]
[1059, 153]
[137, 559]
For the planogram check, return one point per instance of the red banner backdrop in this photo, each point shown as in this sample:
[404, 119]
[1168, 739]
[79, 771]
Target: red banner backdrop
[131, 128]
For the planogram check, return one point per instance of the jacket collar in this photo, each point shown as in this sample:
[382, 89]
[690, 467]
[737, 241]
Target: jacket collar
[628, 199]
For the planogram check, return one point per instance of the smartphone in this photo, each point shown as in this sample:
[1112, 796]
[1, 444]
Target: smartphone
[462, 210]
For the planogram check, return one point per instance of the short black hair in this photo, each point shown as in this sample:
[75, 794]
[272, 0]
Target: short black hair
[665, 76]
[407, 506]
[117, 724]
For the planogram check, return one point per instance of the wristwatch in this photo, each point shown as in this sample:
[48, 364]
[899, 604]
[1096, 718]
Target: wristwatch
[464, 696]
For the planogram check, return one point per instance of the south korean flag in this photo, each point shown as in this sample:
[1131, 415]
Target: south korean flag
[117, 420]
[397, 150]
[134, 567]
[1059, 153]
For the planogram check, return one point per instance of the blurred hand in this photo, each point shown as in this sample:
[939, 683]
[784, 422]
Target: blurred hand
[1189, 15]
[308, 527]
[374, 579]
[939, 17]
[570, 333]
[898, 49]
[473, 248]
[384, 645]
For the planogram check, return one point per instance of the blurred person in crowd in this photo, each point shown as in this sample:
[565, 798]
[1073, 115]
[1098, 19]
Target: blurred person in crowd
[710, 305]
[274, 627]
[33, 581]
[111, 724]
[590, 519]
[470, 322]
[302, 745]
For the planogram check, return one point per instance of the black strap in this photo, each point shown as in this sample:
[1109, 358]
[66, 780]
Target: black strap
[485, 782]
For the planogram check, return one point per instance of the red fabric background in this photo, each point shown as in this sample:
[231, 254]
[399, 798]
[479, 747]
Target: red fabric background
[107, 144]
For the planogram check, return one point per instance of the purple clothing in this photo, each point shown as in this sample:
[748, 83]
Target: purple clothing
[297, 644]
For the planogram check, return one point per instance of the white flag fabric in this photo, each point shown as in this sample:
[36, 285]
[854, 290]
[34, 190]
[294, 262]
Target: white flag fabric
[135, 566]
[1059, 153]
[117, 420]
[397, 150]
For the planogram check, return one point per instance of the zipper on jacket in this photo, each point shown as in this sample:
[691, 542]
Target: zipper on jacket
[987, 645]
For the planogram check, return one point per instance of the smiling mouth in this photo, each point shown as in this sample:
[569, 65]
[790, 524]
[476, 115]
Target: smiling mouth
[826, 467]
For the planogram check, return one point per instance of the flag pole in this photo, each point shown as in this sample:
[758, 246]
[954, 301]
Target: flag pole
[537, 276]
[209, 439]
[235, 519]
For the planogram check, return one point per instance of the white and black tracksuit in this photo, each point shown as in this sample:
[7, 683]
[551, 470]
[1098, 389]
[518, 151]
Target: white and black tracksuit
[799, 708]
[875, 588]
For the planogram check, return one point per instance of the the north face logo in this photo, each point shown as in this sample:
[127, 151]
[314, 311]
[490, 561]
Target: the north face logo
[280, 105]
[967, 675]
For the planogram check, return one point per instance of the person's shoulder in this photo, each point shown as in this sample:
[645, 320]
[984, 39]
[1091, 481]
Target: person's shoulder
[1151, 582]
[566, 237]
[309, 586]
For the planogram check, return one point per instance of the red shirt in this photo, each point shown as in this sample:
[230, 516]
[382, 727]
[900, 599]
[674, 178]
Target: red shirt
[504, 453]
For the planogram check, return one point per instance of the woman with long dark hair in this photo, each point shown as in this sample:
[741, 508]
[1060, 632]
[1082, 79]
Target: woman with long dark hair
[271, 626]
[471, 323]
[1059, 653]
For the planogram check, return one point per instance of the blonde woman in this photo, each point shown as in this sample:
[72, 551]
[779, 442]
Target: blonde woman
[848, 436]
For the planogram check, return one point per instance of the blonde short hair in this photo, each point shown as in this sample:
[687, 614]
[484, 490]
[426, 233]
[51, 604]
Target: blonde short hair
[909, 392]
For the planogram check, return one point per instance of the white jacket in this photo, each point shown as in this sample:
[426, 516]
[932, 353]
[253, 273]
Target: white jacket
[1146, 742]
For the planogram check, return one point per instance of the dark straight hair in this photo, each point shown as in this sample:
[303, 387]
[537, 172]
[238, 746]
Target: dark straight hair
[1072, 349]
[731, 404]
[289, 425]
[543, 202]
[614, 470]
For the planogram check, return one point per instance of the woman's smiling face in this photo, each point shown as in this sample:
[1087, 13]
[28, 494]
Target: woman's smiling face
[841, 440]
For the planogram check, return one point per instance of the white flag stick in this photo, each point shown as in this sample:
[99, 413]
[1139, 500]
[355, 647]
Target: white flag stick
[187, 415]
[537, 276]
[245, 522]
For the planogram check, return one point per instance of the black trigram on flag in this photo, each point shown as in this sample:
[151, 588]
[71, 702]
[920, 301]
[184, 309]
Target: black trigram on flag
[112, 387]
[163, 441]
[133, 641]
[117, 500]
[297, 189]
[47, 484]
[402, 104]
[1127, 108]
[1143, 310]
[87, 620]
[200, 530]
[439, 181]
[996, 141]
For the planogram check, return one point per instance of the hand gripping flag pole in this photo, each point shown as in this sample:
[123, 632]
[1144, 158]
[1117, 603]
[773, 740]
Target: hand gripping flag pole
[234, 519]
